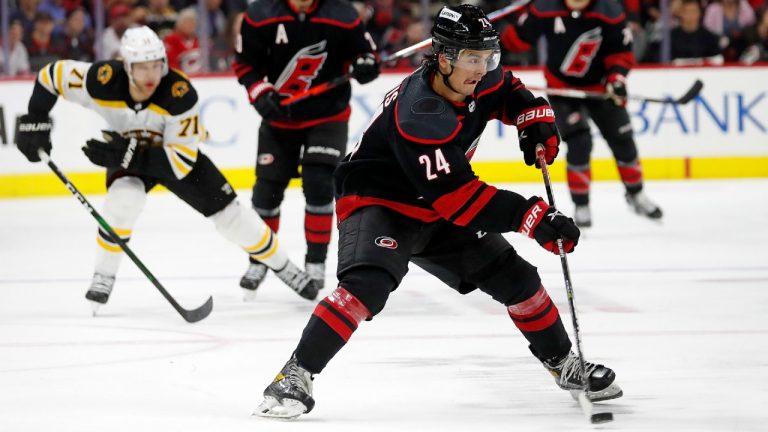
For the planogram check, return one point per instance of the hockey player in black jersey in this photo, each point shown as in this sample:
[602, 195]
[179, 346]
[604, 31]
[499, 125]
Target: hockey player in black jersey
[589, 47]
[407, 193]
[288, 47]
[154, 120]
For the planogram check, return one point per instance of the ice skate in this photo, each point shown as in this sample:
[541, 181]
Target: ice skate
[289, 395]
[252, 279]
[567, 373]
[643, 206]
[582, 216]
[298, 280]
[99, 291]
[316, 272]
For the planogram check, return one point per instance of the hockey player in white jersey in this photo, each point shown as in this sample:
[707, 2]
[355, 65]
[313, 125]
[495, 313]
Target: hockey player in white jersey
[153, 114]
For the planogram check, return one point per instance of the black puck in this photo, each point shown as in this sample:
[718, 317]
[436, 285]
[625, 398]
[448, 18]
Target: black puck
[601, 418]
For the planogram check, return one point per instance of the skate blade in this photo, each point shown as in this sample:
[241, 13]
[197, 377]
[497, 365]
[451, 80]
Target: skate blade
[613, 391]
[95, 306]
[249, 295]
[288, 410]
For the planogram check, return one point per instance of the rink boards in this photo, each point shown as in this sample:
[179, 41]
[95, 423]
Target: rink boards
[721, 134]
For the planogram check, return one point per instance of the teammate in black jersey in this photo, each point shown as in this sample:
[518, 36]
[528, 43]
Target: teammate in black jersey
[289, 46]
[407, 193]
[155, 129]
[589, 47]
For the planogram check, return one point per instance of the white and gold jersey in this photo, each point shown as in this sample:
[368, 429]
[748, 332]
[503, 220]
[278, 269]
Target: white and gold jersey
[170, 118]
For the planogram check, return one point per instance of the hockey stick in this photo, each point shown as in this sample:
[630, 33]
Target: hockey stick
[586, 94]
[189, 315]
[403, 53]
[586, 404]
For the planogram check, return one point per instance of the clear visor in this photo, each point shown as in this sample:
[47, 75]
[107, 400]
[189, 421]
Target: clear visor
[478, 60]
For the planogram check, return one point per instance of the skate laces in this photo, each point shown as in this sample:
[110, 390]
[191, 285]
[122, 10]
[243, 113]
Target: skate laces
[299, 377]
[315, 270]
[294, 277]
[570, 371]
[641, 202]
[102, 283]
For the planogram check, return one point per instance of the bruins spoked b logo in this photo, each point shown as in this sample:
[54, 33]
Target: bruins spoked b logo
[386, 242]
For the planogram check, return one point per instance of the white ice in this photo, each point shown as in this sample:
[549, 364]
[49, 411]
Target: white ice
[679, 310]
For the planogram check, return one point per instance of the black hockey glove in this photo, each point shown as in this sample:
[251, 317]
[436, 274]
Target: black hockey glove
[536, 125]
[33, 132]
[267, 102]
[616, 87]
[114, 152]
[545, 224]
[365, 68]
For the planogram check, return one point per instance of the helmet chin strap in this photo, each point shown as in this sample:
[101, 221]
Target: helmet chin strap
[445, 78]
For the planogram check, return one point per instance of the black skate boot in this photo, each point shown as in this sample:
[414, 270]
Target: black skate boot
[298, 280]
[567, 373]
[643, 206]
[316, 271]
[99, 291]
[252, 279]
[289, 395]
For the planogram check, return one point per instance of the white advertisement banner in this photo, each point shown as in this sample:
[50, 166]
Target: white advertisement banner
[730, 118]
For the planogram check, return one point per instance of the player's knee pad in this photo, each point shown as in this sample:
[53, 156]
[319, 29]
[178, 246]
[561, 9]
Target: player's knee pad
[511, 280]
[268, 194]
[317, 182]
[124, 203]
[370, 285]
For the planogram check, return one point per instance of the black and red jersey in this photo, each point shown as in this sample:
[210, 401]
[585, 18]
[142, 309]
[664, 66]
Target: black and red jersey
[583, 47]
[295, 51]
[414, 157]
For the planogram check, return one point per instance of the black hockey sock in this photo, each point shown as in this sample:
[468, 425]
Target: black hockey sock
[332, 323]
[579, 179]
[539, 321]
[631, 175]
[317, 230]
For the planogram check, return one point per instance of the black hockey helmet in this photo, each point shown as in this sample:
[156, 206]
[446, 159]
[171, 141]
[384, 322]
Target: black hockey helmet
[464, 27]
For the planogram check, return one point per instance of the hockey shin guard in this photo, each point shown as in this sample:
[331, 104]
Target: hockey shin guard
[539, 321]
[579, 179]
[124, 203]
[245, 228]
[318, 222]
[631, 175]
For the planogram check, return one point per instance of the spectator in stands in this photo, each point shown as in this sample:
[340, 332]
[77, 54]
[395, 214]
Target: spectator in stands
[182, 45]
[77, 40]
[25, 14]
[40, 43]
[57, 11]
[690, 42]
[223, 46]
[120, 20]
[18, 63]
[413, 34]
[160, 17]
[729, 19]
[757, 39]
[217, 20]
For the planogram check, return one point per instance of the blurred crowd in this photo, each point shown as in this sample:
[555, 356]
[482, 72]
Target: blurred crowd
[40, 31]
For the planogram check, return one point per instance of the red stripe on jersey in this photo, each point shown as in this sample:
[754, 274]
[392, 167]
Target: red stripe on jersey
[512, 42]
[336, 23]
[336, 324]
[541, 323]
[529, 308]
[605, 18]
[253, 23]
[348, 305]
[476, 206]
[303, 124]
[492, 89]
[421, 140]
[623, 60]
[451, 202]
[351, 203]
[241, 69]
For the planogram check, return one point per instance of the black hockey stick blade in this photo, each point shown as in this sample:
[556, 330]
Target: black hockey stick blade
[195, 315]
[691, 93]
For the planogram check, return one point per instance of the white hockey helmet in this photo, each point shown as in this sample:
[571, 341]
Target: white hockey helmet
[141, 44]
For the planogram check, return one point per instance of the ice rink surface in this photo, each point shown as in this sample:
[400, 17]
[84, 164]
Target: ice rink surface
[679, 310]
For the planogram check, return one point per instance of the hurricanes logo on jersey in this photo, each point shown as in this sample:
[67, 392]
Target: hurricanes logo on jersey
[582, 53]
[104, 74]
[386, 242]
[303, 68]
